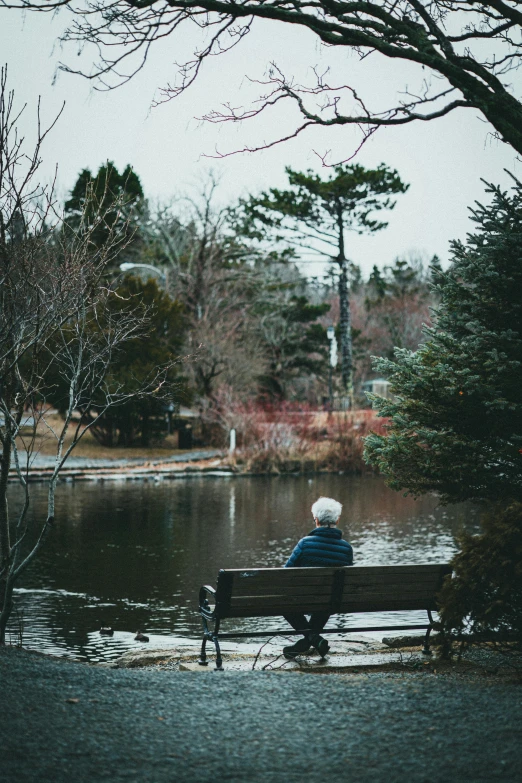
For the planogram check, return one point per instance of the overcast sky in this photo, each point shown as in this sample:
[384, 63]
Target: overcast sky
[443, 160]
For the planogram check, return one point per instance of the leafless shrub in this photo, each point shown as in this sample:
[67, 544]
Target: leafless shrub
[58, 334]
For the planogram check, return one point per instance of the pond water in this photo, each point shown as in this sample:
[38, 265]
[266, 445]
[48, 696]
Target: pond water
[134, 555]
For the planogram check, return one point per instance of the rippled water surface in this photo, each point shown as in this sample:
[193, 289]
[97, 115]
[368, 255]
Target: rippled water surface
[133, 555]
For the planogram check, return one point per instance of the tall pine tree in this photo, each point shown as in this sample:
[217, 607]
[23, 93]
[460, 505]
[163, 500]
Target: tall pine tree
[316, 214]
[456, 417]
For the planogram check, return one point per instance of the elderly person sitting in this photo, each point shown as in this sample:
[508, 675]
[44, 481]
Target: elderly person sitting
[324, 546]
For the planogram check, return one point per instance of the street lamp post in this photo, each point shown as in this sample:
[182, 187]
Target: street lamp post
[127, 266]
[330, 333]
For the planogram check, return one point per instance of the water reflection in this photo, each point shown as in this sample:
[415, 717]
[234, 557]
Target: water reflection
[232, 506]
[133, 555]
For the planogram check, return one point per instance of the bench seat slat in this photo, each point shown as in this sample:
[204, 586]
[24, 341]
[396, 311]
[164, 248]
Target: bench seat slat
[392, 581]
[381, 606]
[312, 600]
[279, 600]
[261, 590]
[411, 588]
[376, 598]
[369, 569]
[353, 576]
[350, 585]
[359, 577]
[299, 579]
[350, 591]
[350, 575]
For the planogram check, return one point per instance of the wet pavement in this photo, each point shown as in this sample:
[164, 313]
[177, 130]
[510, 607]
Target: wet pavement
[184, 654]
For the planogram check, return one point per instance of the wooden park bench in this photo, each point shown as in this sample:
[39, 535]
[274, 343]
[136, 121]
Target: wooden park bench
[272, 592]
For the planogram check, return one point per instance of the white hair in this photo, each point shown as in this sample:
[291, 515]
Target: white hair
[327, 511]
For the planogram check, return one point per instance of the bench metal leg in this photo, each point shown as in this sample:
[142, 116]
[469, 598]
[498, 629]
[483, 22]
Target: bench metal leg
[203, 657]
[219, 660]
[206, 636]
[210, 636]
[426, 649]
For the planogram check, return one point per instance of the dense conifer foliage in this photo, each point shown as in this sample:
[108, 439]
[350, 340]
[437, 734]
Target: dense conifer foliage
[457, 412]
[485, 592]
[456, 418]
[136, 420]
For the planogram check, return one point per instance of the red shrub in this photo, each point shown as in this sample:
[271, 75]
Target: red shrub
[292, 436]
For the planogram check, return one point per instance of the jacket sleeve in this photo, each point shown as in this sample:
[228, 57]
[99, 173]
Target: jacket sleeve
[292, 561]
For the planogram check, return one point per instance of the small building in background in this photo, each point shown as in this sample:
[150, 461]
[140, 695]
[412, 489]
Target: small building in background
[378, 386]
[186, 422]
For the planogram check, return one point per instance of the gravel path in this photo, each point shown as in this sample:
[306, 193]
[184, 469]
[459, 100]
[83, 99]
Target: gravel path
[69, 723]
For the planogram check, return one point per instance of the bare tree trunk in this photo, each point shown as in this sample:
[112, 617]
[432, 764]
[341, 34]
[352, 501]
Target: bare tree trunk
[7, 608]
[345, 325]
[345, 331]
[5, 543]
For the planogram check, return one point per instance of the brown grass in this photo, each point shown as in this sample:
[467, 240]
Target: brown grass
[89, 448]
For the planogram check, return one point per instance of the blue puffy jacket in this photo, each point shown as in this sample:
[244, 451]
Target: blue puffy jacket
[324, 546]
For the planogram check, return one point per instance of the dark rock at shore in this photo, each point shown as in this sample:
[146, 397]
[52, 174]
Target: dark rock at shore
[410, 641]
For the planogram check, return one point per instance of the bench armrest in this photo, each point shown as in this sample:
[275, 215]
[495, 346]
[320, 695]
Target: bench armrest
[204, 607]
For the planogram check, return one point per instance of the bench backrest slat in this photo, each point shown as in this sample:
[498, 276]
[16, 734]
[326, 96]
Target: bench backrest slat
[268, 592]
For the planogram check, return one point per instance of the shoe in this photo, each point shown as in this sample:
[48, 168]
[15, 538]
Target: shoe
[320, 644]
[299, 648]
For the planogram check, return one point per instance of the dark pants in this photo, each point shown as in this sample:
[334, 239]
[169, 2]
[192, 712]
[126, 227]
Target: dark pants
[315, 625]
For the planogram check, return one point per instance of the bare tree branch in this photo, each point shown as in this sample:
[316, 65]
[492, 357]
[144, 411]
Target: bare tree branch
[438, 36]
[57, 328]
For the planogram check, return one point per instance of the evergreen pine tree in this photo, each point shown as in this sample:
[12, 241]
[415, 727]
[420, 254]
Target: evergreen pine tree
[116, 196]
[456, 414]
[435, 265]
[316, 214]
[295, 344]
[376, 285]
[484, 594]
